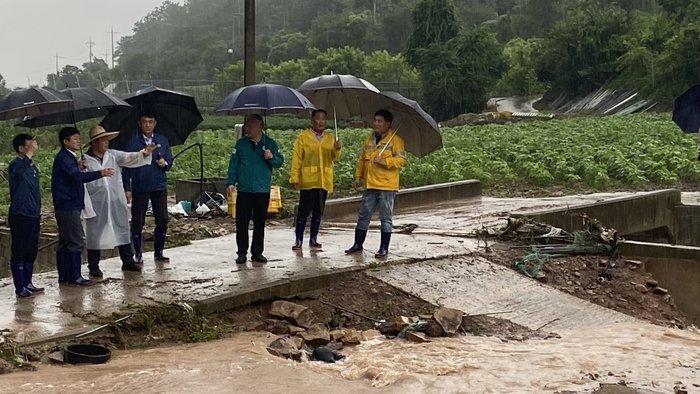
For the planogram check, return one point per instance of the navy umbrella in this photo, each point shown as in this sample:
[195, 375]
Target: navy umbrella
[686, 110]
[420, 132]
[31, 102]
[87, 103]
[264, 99]
[176, 114]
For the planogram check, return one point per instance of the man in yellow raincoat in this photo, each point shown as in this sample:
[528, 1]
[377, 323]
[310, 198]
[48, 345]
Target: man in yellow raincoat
[381, 157]
[311, 173]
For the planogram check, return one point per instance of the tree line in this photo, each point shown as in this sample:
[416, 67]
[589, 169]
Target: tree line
[454, 53]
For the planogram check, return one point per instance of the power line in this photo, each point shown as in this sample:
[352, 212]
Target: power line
[90, 44]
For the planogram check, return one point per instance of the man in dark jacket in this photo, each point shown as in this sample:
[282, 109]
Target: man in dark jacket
[68, 194]
[24, 214]
[146, 183]
[250, 171]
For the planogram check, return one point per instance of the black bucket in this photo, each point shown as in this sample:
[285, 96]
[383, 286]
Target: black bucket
[86, 354]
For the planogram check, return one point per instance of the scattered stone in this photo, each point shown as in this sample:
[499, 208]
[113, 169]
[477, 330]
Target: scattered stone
[256, 326]
[659, 290]
[56, 357]
[368, 335]
[652, 283]
[394, 325]
[416, 337]
[336, 335]
[315, 335]
[577, 274]
[294, 330]
[374, 291]
[433, 329]
[541, 277]
[351, 337]
[603, 263]
[334, 345]
[283, 347]
[276, 327]
[449, 319]
[641, 288]
[296, 314]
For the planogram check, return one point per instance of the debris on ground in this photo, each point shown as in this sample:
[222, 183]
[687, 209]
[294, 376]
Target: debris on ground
[315, 341]
[11, 359]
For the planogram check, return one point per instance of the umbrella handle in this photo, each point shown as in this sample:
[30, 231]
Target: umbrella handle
[390, 138]
[335, 123]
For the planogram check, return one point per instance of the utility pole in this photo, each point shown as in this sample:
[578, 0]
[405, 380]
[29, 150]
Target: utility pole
[112, 46]
[249, 62]
[56, 63]
[90, 44]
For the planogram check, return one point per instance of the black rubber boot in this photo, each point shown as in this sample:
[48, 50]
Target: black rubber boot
[384, 246]
[360, 236]
[94, 263]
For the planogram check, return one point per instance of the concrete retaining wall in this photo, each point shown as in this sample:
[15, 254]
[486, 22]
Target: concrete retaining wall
[627, 215]
[409, 198]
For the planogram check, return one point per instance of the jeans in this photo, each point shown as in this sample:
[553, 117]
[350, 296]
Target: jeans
[376, 199]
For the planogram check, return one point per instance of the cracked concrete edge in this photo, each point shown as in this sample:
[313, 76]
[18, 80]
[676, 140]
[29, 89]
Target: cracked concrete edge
[264, 292]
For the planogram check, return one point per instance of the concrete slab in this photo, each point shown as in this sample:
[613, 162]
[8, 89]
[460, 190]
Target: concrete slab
[204, 273]
[475, 285]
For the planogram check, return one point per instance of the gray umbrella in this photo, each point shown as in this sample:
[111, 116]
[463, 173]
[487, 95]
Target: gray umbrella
[345, 95]
[420, 132]
[32, 102]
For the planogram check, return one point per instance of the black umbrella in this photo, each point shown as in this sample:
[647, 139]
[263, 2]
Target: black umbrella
[265, 99]
[32, 102]
[176, 115]
[87, 103]
[686, 110]
[418, 129]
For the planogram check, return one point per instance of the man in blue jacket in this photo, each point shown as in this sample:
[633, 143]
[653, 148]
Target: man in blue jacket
[24, 214]
[148, 183]
[250, 171]
[68, 194]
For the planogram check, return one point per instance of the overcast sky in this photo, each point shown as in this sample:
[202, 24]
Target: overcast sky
[32, 31]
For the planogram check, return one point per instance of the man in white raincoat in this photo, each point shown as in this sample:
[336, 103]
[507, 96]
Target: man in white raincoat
[109, 227]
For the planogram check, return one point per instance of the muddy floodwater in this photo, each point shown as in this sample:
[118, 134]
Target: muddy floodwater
[642, 355]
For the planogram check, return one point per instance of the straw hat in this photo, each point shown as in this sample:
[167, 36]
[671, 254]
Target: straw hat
[99, 132]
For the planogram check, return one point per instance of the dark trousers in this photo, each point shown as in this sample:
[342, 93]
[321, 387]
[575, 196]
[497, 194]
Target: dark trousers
[70, 231]
[125, 254]
[251, 205]
[139, 206]
[312, 201]
[25, 238]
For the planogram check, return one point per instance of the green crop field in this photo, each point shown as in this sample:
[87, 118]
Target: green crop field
[583, 154]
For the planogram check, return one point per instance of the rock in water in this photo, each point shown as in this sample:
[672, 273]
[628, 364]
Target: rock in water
[326, 355]
[296, 314]
[449, 319]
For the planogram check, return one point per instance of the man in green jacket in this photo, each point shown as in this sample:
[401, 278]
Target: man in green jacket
[250, 172]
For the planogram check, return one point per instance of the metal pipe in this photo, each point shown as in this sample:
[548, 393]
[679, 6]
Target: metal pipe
[249, 59]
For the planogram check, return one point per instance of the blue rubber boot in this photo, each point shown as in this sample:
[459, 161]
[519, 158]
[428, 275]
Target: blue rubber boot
[315, 226]
[74, 263]
[136, 240]
[28, 272]
[159, 245]
[299, 232]
[18, 279]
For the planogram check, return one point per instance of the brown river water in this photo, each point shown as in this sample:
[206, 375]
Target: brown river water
[643, 355]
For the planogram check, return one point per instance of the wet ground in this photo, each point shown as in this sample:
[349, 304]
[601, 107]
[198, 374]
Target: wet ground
[206, 268]
[607, 349]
